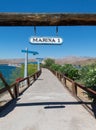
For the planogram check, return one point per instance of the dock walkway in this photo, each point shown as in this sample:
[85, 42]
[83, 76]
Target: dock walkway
[46, 105]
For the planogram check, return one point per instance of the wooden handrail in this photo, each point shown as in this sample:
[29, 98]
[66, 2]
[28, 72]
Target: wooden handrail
[75, 85]
[6, 85]
[86, 89]
[77, 93]
[15, 84]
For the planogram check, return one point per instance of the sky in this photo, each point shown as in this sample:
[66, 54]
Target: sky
[77, 40]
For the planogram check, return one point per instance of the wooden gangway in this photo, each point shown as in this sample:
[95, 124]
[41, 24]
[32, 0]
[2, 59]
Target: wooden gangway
[46, 104]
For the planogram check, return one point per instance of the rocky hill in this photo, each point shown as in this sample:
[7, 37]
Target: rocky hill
[13, 61]
[76, 60]
[66, 60]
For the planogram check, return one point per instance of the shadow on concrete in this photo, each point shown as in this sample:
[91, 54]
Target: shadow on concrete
[93, 105]
[51, 103]
[8, 107]
[47, 105]
[54, 107]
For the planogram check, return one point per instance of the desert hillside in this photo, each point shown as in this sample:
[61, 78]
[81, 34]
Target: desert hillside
[76, 60]
[66, 60]
[13, 61]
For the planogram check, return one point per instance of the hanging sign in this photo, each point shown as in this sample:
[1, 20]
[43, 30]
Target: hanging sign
[46, 40]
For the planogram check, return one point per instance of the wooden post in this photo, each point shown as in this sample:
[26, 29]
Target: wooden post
[34, 77]
[64, 79]
[28, 82]
[74, 88]
[6, 85]
[16, 90]
[60, 77]
[56, 74]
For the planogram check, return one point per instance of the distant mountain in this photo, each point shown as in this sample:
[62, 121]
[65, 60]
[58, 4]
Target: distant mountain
[14, 61]
[75, 60]
[66, 60]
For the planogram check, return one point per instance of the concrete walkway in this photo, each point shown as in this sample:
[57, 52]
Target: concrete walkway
[46, 105]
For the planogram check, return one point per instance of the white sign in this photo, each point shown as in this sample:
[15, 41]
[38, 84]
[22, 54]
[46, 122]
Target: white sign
[46, 40]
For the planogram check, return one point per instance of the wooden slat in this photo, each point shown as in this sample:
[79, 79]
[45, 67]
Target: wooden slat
[6, 85]
[36, 19]
[3, 90]
[86, 89]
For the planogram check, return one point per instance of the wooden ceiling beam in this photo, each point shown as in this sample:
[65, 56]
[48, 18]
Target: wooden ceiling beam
[47, 19]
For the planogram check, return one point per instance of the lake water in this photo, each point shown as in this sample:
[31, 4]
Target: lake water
[7, 71]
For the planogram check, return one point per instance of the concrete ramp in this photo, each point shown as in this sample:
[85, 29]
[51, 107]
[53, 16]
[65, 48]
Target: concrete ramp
[46, 105]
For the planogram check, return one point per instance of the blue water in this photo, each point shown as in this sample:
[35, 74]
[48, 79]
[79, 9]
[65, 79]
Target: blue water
[7, 71]
[33, 62]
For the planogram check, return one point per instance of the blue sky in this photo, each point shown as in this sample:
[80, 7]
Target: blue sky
[78, 40]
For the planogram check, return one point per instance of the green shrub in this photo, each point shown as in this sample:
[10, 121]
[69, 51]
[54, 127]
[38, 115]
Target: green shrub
[49, 62]
[70, 71]
[88, 77]
[32, 68]
[19, 72]
[55, 67]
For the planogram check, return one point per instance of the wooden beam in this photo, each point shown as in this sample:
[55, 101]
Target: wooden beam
[6, 85]
[36, 19]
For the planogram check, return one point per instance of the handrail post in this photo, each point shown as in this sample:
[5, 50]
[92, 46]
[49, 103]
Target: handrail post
[6, 85]
[64, 81]
[28, 82]
[34, 77]
[37, 74]
[16, 90]
[56, 74]
[74, 88]
[60, 77]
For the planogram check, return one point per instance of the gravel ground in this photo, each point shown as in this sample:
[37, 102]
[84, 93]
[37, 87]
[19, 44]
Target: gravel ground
[46, 105]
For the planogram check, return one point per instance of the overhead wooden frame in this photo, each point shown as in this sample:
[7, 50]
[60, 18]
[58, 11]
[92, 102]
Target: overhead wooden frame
[47, 19]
